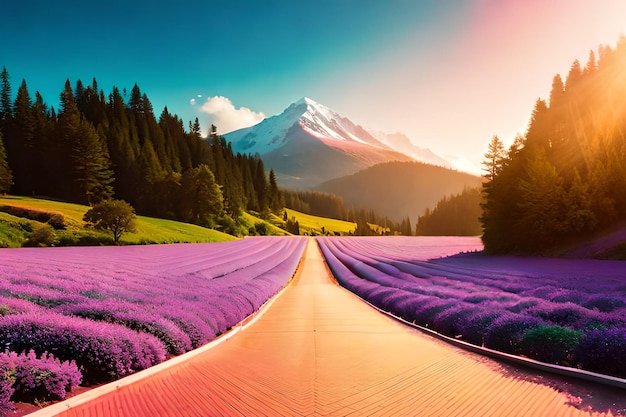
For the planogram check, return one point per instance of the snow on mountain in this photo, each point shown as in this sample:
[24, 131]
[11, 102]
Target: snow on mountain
[309, 143]
[402, 143]
[316, 119]
[269, 134]
[326, 124]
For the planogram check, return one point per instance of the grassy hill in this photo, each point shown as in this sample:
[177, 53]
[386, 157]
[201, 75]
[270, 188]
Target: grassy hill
[313, 225]
[15, 230]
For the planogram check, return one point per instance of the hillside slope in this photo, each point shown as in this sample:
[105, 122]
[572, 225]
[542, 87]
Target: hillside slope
[149, 229]
[399, 189]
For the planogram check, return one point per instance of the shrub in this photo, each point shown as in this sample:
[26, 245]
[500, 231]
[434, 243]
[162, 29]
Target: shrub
[406, 308]
[604, 304]
[472, 327]
[10, 305]
[602, 350]
[261, 228]
[40, 378]
[523, 304]
[392, 302]
[563, 314]
[382, 294]
[6, 391]
[426, 313]
[551, 344]
[41, 236]
[507, 331]
[176, 341]
[55, 220]
[448, 321]
[103, 351]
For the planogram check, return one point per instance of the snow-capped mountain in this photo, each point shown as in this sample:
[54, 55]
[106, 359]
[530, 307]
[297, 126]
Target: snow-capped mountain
[401, 143]
[308, 143]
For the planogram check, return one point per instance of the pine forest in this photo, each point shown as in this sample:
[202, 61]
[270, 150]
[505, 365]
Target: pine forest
[96, 147]
[565, 179]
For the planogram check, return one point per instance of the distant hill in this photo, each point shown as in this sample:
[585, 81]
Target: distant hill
[399, 189]
[454, 215]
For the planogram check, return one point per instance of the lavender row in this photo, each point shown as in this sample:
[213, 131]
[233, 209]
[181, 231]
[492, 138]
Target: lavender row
[117, 310]
[550, 310]
[26, 376]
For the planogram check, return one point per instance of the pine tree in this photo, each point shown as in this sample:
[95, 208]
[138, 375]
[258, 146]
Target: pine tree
[276, 202]
[89, 175]
[91, 165]
[6, 177]
[543, 206]
[201, 200]
[43, 150]
[22, 146]
[494, 158]
[6, 107]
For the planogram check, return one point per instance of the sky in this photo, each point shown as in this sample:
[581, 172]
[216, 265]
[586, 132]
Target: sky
[449, 74]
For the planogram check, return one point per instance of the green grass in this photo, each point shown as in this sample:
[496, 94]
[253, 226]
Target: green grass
[313, 224]
[273, 223]
[14, 230]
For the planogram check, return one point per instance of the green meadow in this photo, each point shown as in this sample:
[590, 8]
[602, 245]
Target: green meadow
[15, 230]
[312, 225]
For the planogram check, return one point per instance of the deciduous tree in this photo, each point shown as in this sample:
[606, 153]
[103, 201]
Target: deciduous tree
[115, 216]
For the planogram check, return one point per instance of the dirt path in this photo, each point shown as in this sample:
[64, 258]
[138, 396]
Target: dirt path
[319, 351]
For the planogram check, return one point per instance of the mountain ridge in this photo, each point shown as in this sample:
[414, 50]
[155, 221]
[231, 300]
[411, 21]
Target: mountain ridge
[399, 189]
[309, 143]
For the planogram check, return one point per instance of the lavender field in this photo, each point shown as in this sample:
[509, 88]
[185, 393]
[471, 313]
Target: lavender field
[570, 312]
[99, 313]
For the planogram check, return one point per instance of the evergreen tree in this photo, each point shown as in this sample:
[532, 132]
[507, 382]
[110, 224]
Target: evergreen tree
[543, 206]
[456, 215]
[6, 107]
[201, 201]
[260, 185]
[88, 175]
[91, 165]
[276, 202]
[43, 149]
[565, 178]
[292, 226]
[494, 158]
[22, 141]
[6, 177]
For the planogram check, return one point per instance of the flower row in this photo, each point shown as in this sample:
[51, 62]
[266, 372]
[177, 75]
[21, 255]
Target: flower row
[544, 309]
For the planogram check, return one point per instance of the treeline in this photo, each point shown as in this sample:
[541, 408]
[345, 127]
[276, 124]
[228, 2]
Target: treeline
[456, 215]
[97, 147]
[331, 206]
[317, 204]
[566, 177]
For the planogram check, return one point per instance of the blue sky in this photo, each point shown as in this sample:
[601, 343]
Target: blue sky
[449, 74]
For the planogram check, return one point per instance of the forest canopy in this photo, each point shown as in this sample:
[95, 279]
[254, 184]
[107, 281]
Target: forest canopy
[565, 178]
[97, 147]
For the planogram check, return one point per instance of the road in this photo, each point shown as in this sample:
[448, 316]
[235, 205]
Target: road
[320, 351]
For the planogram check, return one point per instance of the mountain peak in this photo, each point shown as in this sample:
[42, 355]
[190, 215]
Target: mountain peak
[307, 101]
[310, 143]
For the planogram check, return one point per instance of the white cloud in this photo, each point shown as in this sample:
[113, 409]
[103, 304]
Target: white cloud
[223, 114]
